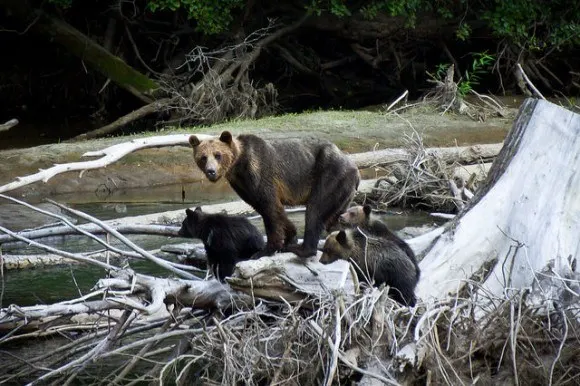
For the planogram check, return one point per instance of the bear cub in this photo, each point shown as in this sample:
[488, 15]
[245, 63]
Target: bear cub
[269, 174]
[361, 216]
[377, 260]
[226, 239]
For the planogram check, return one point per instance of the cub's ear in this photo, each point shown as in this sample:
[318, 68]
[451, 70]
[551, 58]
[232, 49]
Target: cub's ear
[189, 212]
[198, 209]
[194, 141]
[367, 210]
[226, 137]
[341, 238]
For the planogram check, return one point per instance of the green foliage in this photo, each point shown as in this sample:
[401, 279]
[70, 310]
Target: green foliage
[212, 16]
[480, 65]
[535, 24]
[405, 8]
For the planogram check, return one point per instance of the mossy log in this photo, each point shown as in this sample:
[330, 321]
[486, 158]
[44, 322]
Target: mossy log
[80, 45]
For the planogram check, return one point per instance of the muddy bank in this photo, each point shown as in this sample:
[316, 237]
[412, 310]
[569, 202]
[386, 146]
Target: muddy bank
[351, 131]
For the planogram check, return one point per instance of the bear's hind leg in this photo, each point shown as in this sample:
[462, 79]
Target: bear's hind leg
[331, 193]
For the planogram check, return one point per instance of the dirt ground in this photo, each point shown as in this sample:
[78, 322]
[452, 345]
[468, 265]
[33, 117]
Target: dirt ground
[352, 131]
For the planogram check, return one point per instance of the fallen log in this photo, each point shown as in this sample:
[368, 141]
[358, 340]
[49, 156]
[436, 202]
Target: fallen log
[463, 155]
[77, 43]
[499, 289]
[8, 125]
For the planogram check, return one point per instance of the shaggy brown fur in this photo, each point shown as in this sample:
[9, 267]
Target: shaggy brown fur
[377, 261]
[270, 174]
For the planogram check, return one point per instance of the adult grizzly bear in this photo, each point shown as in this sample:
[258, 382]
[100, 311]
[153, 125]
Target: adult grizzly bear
[377, 260]
[226, 239]
[270, 174]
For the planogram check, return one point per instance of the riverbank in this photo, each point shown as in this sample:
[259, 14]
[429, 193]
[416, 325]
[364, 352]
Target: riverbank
[352, 131]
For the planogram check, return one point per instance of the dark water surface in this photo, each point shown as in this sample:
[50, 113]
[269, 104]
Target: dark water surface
[45, 285]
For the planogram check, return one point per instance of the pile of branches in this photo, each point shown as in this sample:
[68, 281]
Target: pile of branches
[424, 181]
[217, 85]
[527, 338]
[330, 340]
[445, 96]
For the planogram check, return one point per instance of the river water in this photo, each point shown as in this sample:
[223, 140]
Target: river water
[45, 285]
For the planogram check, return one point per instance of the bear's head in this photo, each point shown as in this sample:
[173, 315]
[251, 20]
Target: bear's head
[214, 156]
[338, 245]
[356, 216]
[191, 225]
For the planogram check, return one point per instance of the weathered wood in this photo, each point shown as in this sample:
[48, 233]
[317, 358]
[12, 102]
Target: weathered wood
[525, 217]
[463, 155]
[108, 156]
[8, 125]
[292, 278]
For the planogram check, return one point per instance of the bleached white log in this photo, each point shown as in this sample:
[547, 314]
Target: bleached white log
[468, 154]
[292, 278]
[108, 156]
[526, 216]
[461, 154]
[8, 125]
[144, 293]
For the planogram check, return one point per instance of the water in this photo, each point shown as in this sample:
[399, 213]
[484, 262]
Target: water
[45, 285]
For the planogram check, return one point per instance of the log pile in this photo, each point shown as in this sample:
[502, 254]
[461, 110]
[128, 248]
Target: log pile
[499, 300]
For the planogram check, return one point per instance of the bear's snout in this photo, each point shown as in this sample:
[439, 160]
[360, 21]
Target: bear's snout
[211, 174]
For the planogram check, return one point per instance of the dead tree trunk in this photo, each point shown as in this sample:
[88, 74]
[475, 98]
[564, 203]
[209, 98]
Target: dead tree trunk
[524, 220]
[83, 47]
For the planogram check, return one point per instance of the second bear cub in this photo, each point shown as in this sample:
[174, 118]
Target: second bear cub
[227, 239]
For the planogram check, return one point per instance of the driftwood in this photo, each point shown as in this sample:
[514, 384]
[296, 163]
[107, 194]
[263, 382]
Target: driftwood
[463, 155]
[499, 293]
[8, 125]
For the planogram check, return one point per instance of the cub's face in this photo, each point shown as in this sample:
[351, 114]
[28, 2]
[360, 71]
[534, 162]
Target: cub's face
[190, 227]
[338, 245]
[356, 215]
[214, 157]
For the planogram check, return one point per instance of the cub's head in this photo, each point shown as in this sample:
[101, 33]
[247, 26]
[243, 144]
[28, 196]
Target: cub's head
[191, 227]
[356, 216]
[338, 245]
[214, 156]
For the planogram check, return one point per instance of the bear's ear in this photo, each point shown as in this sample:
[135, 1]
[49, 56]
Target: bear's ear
[194, 141]
[341, 238]
[367, 210]
[198, 209]
[226, 137]
[189, 212]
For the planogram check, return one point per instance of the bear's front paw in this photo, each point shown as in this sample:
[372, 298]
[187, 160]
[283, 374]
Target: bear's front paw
[301, 251]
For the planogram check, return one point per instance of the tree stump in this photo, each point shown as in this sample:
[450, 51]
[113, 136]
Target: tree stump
[524, 219]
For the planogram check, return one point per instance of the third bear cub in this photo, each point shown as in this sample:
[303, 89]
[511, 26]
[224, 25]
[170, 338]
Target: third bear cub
[377, 260]
[227, 239]
[361, 216]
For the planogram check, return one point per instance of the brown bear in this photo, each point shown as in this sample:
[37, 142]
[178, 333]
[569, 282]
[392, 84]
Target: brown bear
[268, 174]
[377, 260]
[226, 239]
[361, 216]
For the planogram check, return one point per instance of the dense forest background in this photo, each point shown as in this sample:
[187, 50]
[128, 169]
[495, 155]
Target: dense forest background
[75, 65]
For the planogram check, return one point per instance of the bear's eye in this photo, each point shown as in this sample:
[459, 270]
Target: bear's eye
[217, 156]
[203, 158]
